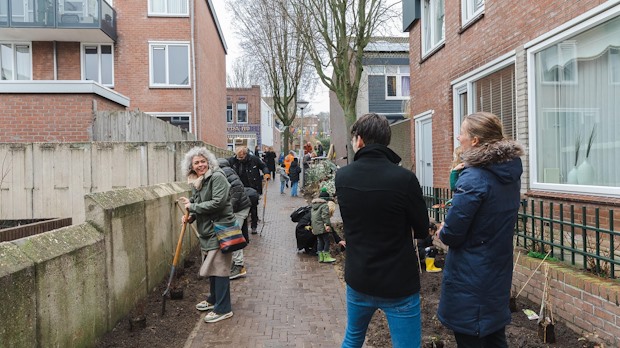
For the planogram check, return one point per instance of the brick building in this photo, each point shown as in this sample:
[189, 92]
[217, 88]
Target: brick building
[551, 73]
[243, 117]
[62, 60]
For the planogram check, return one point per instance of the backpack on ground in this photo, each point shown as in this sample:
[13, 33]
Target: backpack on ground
[299, 212]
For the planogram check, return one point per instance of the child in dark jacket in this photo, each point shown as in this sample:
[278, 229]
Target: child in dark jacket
[293, 174]
[321, 225]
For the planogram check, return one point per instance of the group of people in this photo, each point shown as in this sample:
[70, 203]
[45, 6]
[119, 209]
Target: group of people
[381, 203]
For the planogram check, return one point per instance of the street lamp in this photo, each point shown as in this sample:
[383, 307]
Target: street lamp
[301, 104]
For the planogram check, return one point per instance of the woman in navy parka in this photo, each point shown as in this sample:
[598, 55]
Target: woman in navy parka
[479, 227]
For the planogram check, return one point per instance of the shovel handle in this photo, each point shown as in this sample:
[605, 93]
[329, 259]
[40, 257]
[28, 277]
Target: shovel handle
[177, 253]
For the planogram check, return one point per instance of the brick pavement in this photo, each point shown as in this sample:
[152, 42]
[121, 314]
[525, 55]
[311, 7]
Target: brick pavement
[287, 298]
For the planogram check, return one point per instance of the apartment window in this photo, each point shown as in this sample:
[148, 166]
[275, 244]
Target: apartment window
[98, 64]
[168, 8]
[4, 13]
[242, 112]
[575, 115]
[229, 112]
[15, 61]
[180, 119]
[397, 82]
[169, 64]
[375, 69]
[433, 25]
[491, 89]
[470, 9]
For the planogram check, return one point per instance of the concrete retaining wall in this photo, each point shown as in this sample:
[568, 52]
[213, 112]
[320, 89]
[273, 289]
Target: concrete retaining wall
[67, 287]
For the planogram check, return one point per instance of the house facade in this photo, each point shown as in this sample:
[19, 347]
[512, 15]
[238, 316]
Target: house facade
[243, 117]
[384, 87]
[551, 73]
[62, 60]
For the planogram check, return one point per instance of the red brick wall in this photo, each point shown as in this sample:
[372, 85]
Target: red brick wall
[42, 60]
[131, 68]
[211, 77]
[68, 60]
[506, 26]
[49, 117]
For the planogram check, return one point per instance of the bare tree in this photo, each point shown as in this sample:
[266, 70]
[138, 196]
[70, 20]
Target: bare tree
[242, 75]
[335, 33]
[270, 42]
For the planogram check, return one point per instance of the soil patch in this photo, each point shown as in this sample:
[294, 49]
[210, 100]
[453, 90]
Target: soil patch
[173, 328]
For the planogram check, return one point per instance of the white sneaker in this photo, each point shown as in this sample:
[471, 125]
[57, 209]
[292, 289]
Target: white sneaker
[213, 317]
[204, 306]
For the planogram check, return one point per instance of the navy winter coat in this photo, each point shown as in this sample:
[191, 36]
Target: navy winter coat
[479, 227]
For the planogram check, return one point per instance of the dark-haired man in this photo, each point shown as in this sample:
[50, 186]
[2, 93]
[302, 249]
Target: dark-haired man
[380, 202]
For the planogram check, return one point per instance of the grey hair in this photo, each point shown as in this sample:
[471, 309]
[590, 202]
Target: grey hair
[186, 163]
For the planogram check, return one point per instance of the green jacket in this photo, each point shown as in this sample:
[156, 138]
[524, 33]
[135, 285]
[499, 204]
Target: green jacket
[319, 216]
[211, 204]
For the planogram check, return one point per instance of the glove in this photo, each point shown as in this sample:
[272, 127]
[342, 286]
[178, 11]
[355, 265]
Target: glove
[266, 176]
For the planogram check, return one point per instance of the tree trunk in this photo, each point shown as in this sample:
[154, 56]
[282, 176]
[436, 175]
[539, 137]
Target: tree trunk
[285, 141]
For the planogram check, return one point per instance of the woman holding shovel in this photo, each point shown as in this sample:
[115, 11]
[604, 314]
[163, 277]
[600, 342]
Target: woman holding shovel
[475, 290]
[210, 204]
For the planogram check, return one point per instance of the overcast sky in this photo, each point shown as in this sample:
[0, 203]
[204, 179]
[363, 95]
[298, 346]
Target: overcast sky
[320, 101]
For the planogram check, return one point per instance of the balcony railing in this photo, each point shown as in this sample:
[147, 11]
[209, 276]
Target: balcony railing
[60, 14]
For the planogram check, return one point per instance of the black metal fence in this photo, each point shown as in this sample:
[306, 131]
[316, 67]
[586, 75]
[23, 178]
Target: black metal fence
[583, 237]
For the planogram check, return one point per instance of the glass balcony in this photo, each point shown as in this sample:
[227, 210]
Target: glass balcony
[86, 18]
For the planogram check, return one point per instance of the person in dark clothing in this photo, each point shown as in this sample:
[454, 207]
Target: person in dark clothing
[380, 203]
[270, 159]
[241, 208]
[306, 240]
[479, 229]
[254, 197]
[248, 167]
[293, 173]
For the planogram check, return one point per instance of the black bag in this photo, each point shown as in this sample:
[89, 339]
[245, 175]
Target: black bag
[299, 212]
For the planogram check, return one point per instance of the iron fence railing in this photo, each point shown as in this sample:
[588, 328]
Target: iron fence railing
[583, 237]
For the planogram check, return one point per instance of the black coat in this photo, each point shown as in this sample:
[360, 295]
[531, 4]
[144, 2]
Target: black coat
[238, 198]
[380, 203]
[294, 171]
[249, 171]
[270, 160]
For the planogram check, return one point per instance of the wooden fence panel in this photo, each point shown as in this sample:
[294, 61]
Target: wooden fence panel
[135, 126]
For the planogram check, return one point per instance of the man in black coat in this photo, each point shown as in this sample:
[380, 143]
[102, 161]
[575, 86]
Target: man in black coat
[249, 168]
[380, 203]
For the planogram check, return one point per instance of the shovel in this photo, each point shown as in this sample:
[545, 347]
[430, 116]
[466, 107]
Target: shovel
[175, 261]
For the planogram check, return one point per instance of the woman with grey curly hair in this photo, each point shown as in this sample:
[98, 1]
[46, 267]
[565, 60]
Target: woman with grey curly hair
[209, 204]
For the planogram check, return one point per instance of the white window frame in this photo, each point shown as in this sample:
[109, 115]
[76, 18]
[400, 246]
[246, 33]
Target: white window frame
[587, 20]
[247, 112]
[166, 12]
[83, 61]
[399, 88]
[173, 114]
[465, 84]
[426, 51]
[468, 11]
[152, 44]
[232, 112]
[14, 67]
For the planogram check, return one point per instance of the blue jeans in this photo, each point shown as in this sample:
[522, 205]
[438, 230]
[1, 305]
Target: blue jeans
[403, 316]
[282, 185]
[322, 242]
[294, 188]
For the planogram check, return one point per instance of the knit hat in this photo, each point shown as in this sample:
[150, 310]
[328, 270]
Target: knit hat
[324, 194]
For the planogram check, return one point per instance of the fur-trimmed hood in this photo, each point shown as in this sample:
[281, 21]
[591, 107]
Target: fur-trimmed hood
[502, 158]
[497, 152]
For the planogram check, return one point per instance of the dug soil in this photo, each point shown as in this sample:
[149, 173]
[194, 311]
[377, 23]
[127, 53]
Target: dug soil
[173, 328]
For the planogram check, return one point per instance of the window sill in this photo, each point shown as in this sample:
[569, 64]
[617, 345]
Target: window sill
[573, 197]
[432, 52]
[471, 22]
[169, 87]
[168, 15]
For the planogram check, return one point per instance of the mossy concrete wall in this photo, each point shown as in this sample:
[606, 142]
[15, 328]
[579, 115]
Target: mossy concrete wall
[67, 287]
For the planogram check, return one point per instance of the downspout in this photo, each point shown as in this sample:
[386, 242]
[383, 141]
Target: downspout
[55, 61]
[194, 85]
